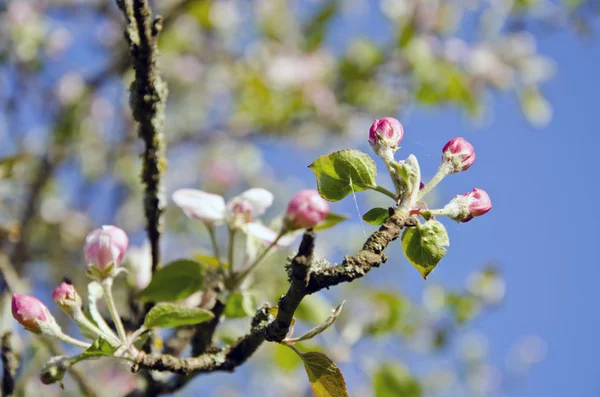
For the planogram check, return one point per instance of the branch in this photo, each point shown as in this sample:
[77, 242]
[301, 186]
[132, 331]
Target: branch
[10, 364]
[305, 279]
[148, 95]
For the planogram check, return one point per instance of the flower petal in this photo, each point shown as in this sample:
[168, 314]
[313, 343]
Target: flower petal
[259, 200]
[196, 204]
[268, 236]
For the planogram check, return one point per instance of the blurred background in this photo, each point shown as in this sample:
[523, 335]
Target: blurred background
[257, 90]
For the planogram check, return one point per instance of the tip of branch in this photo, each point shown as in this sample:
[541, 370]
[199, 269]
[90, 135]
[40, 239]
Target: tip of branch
[157, 26]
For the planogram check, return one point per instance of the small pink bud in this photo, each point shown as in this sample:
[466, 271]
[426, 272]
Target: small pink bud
[67, 298]
[421, 185]
[479, 203]
[306, 209]
[465, 207]
[30, 312]
[459, 154]
[105, 246]
[387, 129]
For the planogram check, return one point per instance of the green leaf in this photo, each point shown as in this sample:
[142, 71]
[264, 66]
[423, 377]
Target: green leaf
[315, 31]
[324, 376]
[100, 348]
[321, 327]
[389, 312]
[341, 173]
[313, 309]
[393, 380]
[168, 315]
[174, 282]
[424, 245]
[287, 359]
[331, 219]
[210, 261]
[376, 216]
[241, 304]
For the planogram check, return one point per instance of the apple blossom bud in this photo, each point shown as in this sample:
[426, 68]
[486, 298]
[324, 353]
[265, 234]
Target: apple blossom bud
[105, 247]
[30, 312]
[306, 209]
[67, 298]
[458, 154]
[465, 207]
[388, 129]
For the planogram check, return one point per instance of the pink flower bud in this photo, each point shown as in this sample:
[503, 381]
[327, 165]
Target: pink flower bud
[306, 209]
[30, 312]
[67, 298]
[467, 206]
[105, 246]
[479, 203]
[459, 154]
[387, 129]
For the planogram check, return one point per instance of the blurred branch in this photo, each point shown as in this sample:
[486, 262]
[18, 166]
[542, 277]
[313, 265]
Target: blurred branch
[148, 94]
[305, 279]
[85, 387]
[10, 364]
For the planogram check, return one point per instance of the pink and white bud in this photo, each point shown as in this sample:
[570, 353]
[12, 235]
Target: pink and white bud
[67, 298]
[388, 129]
[467, 206]
[384, 137]
[104, 247]
[479, 202]
[458, 154]
[30, 312]
[306, 209]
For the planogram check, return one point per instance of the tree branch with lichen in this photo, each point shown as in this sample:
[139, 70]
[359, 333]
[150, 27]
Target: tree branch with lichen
[148, 95]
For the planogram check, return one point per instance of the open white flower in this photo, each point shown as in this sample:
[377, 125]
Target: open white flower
[212, 210]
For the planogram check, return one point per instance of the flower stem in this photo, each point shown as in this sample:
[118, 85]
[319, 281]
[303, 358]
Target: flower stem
[82, 321]
[68, 339]
[213, 240]
[253, 266]
[93, 295]
[442, 172]
[112, 308]
[383, 190]
[136, 334]
[230, 249]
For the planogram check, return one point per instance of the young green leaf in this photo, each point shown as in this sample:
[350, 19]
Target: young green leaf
[100, 348]
[324, 376]
[343, 172]
[331, 219]
[209, 260]
[241, 304]
[168, 315]
[376, 216]
[175, 281]
[321, 327]
[393, 380]
[424, 244]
